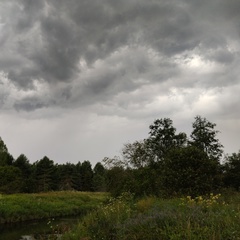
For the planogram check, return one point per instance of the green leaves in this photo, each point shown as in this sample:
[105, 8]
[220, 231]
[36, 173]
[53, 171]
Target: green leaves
[10, 179]
[3, 147]
[163, 137]
[232, 171]
[188, 171]
[204, 137]
[170, 163]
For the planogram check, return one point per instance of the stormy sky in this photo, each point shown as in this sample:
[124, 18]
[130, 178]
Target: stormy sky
[80, 78]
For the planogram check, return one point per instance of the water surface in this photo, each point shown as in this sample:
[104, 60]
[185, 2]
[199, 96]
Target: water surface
[35, 230]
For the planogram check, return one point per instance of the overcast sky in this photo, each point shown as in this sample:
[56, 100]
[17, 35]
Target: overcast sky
[79, 78]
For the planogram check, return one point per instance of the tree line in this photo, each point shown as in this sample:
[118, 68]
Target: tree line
[19, 175]
[166, 163]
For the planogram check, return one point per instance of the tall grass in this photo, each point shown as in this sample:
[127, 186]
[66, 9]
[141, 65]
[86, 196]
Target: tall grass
[203, 217]
[22, 207]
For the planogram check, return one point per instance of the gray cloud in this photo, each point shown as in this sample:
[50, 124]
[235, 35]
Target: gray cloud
[29, 104]
[49, 38]
[128, 59]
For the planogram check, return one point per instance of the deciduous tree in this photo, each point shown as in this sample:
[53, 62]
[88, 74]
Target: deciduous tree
[163, 137]
[204, 137]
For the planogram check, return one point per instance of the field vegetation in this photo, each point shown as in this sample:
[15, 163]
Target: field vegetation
[212, 216]
[24, 207]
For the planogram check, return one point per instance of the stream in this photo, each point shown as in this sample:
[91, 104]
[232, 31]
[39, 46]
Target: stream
[36, 230]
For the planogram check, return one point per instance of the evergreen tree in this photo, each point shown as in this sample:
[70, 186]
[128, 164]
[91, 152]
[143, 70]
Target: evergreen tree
[99, 178]
[23, 164]
[6, 158]
[10, 179]
[3, 147]
[45, 175]
[67, 176]
[79, 183]
[86, 175]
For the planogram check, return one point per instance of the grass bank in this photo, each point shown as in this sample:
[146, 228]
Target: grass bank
[204, 217]
[23, 207]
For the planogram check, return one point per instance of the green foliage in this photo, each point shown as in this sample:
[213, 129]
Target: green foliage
[67, 176]
[99, 178]
[22, 207]
[204, 137]
[166, 164]
[203, 217]
[137, 154]
[45, 174]
[23, 164]
[203, 201]
[163, 137]
[6, 158]
[10, 179]
[188, 171]
[103, 223]
[86, 175]
[232, 171]
[118, 180]
[3, 147]
[163, 164]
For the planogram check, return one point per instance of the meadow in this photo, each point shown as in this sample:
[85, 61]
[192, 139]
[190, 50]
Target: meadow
[24, 207]
[213, 216]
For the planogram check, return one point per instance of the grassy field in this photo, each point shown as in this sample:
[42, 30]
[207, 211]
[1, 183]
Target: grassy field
[23, 207]
[214, 216]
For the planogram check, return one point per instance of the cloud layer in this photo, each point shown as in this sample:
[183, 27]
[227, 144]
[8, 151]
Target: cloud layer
[128, 58]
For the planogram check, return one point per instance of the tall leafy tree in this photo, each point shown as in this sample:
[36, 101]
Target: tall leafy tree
[137, 154]
[163, 137]
[204, 137]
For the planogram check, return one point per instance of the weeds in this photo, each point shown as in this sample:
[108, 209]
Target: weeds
[207, 201]
[202, 217]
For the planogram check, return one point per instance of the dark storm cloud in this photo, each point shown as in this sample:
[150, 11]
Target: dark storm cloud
[29, 104]
[48, 40]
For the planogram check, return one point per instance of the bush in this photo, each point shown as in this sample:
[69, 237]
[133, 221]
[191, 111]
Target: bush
[189, 171]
